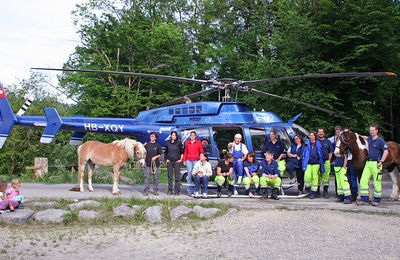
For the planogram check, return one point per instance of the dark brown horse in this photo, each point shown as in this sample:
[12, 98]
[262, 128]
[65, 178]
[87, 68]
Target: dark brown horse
[358, 147]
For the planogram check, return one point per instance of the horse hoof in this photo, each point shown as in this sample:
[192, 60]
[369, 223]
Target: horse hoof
[117, 193]
[91, 190]
[81, 190]
[392, 199]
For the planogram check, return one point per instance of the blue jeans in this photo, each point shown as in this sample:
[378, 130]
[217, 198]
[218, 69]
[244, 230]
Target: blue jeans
[352, 177]
[189, 178]
[237, 171]
[203, 180]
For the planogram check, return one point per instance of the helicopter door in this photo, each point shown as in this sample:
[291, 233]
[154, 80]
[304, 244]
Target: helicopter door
[282, 135]
[223, 135]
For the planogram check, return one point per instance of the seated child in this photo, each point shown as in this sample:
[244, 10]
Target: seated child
[225, 173]
[270, 176]
[14, 192]
[252, 169]
[4, 202]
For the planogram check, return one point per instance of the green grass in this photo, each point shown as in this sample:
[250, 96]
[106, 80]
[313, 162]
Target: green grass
[104, 175]
[107, 205]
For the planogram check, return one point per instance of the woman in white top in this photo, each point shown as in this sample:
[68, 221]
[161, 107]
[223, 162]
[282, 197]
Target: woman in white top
[201, 173]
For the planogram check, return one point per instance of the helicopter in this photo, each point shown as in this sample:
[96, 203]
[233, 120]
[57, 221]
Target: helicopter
[215, 122]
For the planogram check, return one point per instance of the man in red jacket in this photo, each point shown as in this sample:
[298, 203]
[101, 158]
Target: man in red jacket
[193, 148]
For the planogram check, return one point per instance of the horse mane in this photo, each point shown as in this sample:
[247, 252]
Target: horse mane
[129, 146]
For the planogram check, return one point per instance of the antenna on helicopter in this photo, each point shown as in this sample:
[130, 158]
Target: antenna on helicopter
[25, 106]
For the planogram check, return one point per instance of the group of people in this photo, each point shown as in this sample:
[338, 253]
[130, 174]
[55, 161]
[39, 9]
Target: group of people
[308, 163]
[10, 199]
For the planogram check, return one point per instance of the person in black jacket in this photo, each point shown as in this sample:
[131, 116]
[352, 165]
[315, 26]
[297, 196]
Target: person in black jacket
[173, 157]
[154, 152]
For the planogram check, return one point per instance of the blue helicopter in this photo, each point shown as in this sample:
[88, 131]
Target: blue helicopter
[215, 123]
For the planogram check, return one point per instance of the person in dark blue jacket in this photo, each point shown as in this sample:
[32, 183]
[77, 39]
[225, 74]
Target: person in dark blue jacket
[312, 164]
[278, 149]
[294, 162]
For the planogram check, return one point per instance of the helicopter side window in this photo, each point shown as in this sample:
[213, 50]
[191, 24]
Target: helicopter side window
[257, 138]
[171, 111]
[191, 110]
[178, 111]
[283, 136]
[203, 134]
[184, 110]
[300, 131]
[198, 109]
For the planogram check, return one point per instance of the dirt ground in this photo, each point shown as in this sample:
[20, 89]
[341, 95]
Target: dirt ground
[247, 234]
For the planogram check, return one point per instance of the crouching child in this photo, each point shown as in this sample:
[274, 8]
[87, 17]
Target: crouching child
[270, 176]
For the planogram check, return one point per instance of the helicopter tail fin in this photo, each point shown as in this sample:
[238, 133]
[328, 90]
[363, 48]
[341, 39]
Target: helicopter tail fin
[53, 125]
[7, 117]
[294, 118]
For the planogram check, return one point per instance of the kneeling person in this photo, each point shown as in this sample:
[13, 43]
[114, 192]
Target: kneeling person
[225, 173]
[252, 169]
[270, 176]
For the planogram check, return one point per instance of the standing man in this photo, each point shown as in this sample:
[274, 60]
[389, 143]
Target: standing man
[154, 152]
[239, 151]
[278, 149]
[377, 154]
[193, 148]
[338, 129]
[327, 151]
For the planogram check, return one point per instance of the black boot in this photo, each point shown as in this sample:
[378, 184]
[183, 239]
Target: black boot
[325, 194]
[308, 189]
[230, 189]
[264, 194]
[274, 194]
[318, 194]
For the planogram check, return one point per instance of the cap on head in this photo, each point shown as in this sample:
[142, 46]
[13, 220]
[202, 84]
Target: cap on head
[238, 136]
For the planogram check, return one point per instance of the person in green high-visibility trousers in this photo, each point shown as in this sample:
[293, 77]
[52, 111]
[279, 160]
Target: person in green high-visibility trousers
[343, 186]
[278, 149]
[225, 173]
[327, 152]
[270, 176]
[377, 154]
[312, 164]
[252, 170]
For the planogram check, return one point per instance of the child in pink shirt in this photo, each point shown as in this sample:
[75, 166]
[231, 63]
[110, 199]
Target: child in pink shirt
[4, 202]
[14, 193]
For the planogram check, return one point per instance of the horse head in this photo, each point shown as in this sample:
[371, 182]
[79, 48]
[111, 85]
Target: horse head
[140, 153]
[343, 142]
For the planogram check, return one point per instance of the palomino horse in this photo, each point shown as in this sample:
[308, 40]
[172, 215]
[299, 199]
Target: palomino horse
[358, 146]
[114, 154]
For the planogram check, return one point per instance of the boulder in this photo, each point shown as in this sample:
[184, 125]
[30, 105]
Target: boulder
[88, 214]
[42, 205]
[19, 216]
[50, 216]
[180, 212]
[85, 203]
[153, 214]
[205, 212]
[125, 211]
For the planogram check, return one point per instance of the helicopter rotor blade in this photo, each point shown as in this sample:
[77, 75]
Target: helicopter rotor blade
[196, 94]
[329, 75]
[197, 81]
[299, 102]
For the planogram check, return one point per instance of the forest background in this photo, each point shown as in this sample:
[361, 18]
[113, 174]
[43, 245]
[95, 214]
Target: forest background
[208, 39]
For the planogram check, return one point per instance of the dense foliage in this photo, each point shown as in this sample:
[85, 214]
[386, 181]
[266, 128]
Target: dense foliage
[240, 39]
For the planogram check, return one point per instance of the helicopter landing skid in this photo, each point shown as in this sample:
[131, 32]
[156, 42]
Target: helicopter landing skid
[214, 196]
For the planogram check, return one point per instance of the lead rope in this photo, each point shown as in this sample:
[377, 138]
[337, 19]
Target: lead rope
[153, 167]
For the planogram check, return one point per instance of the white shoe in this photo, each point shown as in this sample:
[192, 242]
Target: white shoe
[205, 195]
[235, 192]
[196, 194]
[239, 180]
